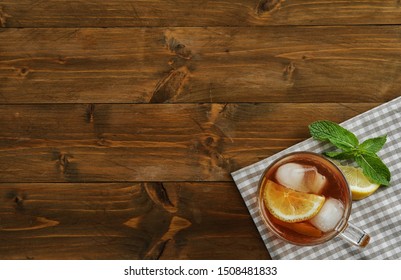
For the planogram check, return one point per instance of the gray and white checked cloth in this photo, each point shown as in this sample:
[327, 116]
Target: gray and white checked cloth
[379, 214]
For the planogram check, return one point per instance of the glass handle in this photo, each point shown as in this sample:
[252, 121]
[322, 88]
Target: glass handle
[355, 235]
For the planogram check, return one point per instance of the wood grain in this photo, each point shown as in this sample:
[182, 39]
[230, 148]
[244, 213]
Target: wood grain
[126, 221]
[93, 166]
[157, 65]
[98, 13]
[150, 142]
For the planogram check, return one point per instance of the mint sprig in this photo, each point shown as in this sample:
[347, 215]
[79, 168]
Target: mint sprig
[364, 154]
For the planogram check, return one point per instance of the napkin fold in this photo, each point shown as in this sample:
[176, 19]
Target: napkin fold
[379, 214]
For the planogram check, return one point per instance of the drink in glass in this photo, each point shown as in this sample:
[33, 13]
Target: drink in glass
[305, 199]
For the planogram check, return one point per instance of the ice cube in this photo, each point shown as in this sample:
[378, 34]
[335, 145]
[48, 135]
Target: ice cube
[303, 178]
[314, 180]
[291, 175]
[329, 215]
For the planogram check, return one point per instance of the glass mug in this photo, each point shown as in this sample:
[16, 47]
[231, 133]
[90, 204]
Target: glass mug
[308, 172]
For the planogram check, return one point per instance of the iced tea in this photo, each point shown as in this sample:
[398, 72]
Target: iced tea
[318, 178]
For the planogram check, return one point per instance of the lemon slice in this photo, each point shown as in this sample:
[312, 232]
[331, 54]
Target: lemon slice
[290, 206]
[360, 186]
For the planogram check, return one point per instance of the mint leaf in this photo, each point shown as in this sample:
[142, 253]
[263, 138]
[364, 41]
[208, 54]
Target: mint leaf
[374, 168]
[364, 153]
[340, 155]
[332, 132]
[373, 145]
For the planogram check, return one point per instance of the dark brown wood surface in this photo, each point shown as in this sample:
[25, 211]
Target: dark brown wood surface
[150, 142]
[158, 65]
[126, 221]
[128, 13]
[121, 120]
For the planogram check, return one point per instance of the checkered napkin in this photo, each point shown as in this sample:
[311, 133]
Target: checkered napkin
[379, 214]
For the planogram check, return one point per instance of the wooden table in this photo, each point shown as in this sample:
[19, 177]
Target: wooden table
[121, 120]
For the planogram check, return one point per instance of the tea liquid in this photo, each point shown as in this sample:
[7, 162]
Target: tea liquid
[334, 187]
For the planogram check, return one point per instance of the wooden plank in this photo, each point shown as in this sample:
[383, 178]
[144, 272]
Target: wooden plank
[98, 13]
[126, 221]
[150, 142]
[297, 64]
